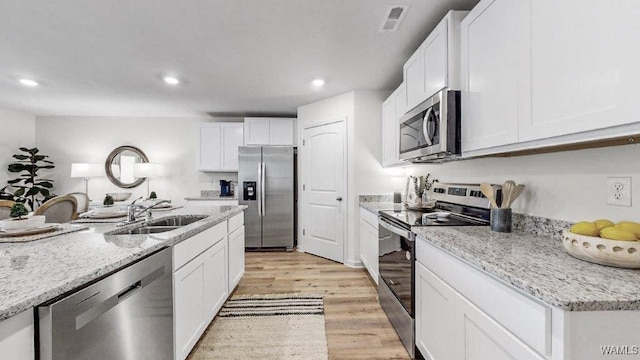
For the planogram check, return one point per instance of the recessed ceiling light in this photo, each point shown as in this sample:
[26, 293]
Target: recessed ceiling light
[317, 82]
[171, 80]
[29, 82]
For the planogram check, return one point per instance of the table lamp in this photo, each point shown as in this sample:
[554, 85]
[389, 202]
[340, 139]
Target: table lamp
[86, 171]
[147, 170]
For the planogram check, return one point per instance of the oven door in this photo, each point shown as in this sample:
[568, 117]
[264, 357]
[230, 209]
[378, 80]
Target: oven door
[396, 262]
[420, 130]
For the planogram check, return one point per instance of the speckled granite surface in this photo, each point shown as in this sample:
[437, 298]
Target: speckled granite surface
[374, 207]
[206, 195]
[375, 198]
[32, 273]
[539, 266]
[539, 226]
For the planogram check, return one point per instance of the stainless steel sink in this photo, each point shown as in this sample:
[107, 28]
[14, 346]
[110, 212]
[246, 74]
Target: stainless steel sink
[158, 226]
[175, 221]
[143, 230]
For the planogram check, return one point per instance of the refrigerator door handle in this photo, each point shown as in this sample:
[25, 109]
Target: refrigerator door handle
[262, 187]
[259, 188]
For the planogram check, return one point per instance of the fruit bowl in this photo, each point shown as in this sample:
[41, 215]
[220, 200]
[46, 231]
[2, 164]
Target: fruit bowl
[623, 254]
[27, 222]
[120, 196]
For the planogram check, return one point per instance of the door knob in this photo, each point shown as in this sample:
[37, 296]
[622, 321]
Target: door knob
[339, 198]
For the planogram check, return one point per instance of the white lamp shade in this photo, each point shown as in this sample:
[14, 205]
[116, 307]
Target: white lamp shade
[83, 170]
[147, 170]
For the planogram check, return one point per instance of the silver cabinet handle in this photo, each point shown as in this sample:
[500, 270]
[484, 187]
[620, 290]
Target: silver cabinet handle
[339, 198]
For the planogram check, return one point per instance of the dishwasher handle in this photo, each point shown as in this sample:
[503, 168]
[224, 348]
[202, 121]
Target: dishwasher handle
[124, 294]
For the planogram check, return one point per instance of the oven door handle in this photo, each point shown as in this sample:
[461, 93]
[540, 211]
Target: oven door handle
[400, 232]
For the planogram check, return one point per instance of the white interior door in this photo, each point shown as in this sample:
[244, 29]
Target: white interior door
[324, 187]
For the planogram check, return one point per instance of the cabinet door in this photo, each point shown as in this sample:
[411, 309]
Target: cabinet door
[389, 124]
[188, 306]
[210, 151]
[483, 338]
[215, 279]
[281, 131]
[372, 238]
[492, 59]
[364, 244]
[401, 103]
[583, 68]
[256, 131]
[16, 337]
[236, 257]
[435, 316]
[434, 54]
[232, 137]
[414, 79]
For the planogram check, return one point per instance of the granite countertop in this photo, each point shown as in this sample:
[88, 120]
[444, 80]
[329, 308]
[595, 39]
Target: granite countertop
[374, 207]
[213, 197]
[34, 272]
[539, 266]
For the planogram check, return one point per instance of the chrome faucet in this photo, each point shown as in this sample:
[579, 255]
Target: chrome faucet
[131, 210]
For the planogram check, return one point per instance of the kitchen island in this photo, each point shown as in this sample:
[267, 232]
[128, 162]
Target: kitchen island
[35, 272]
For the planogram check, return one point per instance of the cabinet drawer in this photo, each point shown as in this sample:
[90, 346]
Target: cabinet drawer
[369, 217]
[528, 319]
[192, 247]
[236, 222]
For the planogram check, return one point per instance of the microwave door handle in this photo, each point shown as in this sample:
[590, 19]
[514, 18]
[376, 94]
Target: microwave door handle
[405, 234]
[425, 121]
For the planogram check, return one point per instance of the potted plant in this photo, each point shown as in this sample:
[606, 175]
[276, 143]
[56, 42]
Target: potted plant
[153, 196]
[28, 187]
[19, 219]
[107, 206]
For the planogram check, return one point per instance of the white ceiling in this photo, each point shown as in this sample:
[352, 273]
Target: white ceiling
[106, 58]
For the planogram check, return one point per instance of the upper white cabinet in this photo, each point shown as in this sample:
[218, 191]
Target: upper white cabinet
[219, 146]
[269, 131]
[543, 73]
[492, 39]
[392, 110]
[434, 65]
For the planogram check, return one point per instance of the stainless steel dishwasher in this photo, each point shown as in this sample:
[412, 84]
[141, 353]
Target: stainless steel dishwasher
[126, 315]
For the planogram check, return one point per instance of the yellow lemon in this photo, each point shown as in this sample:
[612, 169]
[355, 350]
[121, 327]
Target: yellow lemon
[585, 228]
[634, 227]
[603, 223]
[616, 233]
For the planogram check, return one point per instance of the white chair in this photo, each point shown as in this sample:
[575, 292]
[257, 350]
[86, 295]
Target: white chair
[60, 209]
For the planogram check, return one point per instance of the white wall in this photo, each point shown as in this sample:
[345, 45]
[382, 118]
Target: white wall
[362, 109]
[18, 130]
[568, 185]
[172, 142]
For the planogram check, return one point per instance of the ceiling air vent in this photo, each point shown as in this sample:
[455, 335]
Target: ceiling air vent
[392, 18]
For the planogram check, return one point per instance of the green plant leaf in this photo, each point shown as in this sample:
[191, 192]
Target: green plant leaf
[44, 192]
[33, 191]
[17, 167]
[44, 184]
[21, 157]
[19, 192]
[25, 149]
[14, 181]
[46, 167]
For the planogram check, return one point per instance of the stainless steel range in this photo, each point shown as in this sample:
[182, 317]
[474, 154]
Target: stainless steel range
[456, 205]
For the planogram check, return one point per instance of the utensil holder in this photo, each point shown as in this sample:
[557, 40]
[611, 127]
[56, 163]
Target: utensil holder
[501, 219]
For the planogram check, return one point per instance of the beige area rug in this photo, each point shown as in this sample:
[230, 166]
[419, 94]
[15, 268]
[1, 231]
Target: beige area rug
[266, 327]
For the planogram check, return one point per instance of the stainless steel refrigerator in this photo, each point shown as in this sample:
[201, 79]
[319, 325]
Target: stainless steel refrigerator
[266, 179]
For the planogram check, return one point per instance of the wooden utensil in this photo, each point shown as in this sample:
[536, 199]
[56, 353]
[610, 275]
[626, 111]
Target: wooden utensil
[517, 190]
[507, 192]
[487, 190]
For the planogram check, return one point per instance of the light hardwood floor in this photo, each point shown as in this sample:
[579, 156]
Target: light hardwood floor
[356, 326]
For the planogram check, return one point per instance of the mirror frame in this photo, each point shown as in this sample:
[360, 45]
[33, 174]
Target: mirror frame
[112, 156]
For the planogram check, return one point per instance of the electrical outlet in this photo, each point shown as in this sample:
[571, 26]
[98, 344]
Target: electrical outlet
[619, 191]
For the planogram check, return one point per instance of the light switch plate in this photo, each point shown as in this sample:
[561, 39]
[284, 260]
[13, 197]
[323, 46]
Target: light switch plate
[619, 191]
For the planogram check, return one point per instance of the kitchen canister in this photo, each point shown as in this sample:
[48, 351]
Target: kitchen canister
[501, 219]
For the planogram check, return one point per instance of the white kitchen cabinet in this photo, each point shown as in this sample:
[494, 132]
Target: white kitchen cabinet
[16, 337]
[216, 291]
[369, 242]
[539, 74]
[219, 146]
[200, 285]
[434, 65]
[393, 108]
[268, 131]
[492, 42]
[235, 248]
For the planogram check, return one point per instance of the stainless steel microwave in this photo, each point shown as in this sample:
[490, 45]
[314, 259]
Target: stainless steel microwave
[430, 132]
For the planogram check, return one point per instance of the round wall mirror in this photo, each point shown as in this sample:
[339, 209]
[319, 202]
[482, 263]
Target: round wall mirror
[120, 163]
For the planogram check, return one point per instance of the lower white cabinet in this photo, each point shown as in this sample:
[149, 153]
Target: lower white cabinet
[207, 267]
[16, 337]
[369, 242]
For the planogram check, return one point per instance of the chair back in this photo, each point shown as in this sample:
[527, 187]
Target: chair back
[60, 209]
[5, 208]
[82, 200]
